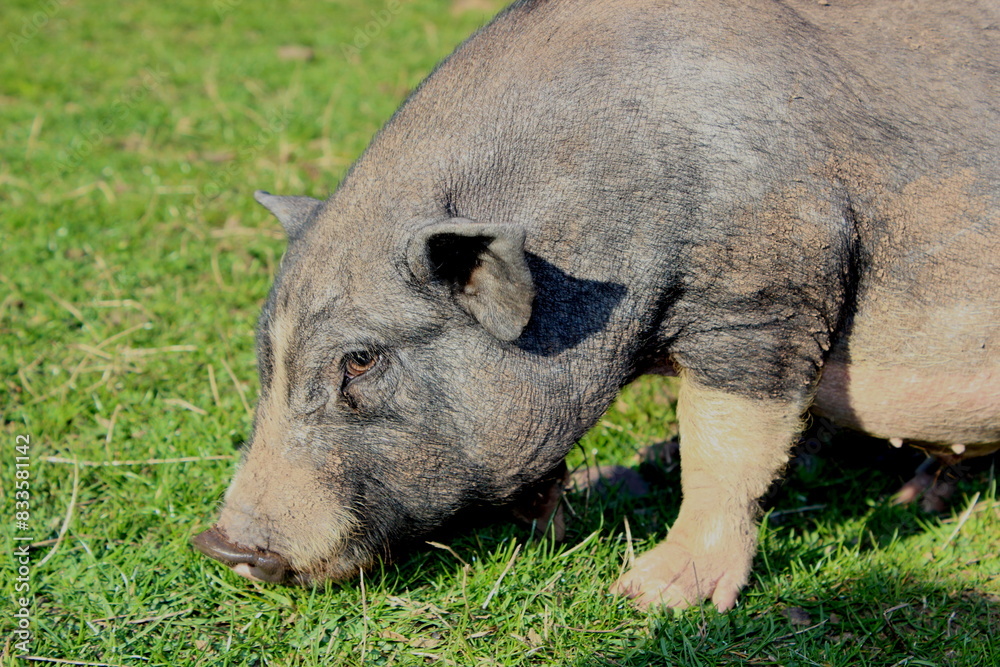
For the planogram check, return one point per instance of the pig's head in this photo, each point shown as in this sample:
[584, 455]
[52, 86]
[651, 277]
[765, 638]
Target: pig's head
[393, 393]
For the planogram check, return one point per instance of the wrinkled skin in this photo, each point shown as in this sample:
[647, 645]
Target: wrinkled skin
[791, 206]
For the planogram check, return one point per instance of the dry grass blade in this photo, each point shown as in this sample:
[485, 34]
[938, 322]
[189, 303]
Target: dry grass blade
[94, 351]
[445, 547]
[228, 231]
[143, 462]
[122, 334]
[111, 424]
[213, 385]
[496, 586]
[74, 374]
[961, 522]
[799, 632]
[239, 387]
[364, 616]
[181, 403]
[36, 129]
[121, 303]
[23, 376]
[71, 309]
[217, 273]
[69, 517]
[149, 351]
[629, 547]
[61, 661]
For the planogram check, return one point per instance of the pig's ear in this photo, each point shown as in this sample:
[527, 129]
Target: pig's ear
[291, 212]
[485, 268]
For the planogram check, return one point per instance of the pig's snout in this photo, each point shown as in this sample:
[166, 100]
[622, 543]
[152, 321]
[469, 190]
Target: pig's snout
[245, 561]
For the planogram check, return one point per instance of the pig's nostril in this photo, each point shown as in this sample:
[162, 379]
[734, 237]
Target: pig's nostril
[262, 565]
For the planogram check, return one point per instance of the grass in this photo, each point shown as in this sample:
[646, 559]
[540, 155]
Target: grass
[134, 263]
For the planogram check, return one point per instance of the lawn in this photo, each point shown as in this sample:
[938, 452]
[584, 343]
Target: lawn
[134, 262]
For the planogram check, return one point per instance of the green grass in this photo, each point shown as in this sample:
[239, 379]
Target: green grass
[134, 262]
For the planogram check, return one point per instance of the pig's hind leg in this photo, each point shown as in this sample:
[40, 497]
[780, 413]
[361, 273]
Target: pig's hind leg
[732, 448]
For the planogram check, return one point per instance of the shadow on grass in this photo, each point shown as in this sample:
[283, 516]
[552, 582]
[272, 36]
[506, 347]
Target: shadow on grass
[836, 479]
[872, 620]
[835, 475]
[885, 611]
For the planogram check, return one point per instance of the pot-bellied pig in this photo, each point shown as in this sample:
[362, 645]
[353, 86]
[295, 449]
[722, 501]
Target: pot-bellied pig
[791, 205]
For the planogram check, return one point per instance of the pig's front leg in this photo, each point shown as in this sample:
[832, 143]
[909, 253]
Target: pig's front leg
[732, 447]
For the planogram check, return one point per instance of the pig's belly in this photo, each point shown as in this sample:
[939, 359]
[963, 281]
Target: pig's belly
[937, 404]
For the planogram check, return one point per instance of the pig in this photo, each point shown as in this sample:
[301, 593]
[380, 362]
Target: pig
[790, 205]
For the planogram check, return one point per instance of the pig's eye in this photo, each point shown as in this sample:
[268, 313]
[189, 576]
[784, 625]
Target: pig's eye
[359, 363]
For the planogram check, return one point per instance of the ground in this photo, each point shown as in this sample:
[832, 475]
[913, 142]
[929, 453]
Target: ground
[134, 263]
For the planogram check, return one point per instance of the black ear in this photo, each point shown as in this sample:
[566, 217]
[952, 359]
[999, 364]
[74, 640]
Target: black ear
[485, 268]
[291, 212]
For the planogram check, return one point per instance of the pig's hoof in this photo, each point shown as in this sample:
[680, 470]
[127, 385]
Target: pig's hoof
[933, 483]
[672, 576]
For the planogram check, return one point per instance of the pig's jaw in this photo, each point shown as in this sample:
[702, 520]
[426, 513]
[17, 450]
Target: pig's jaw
[288, 577]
